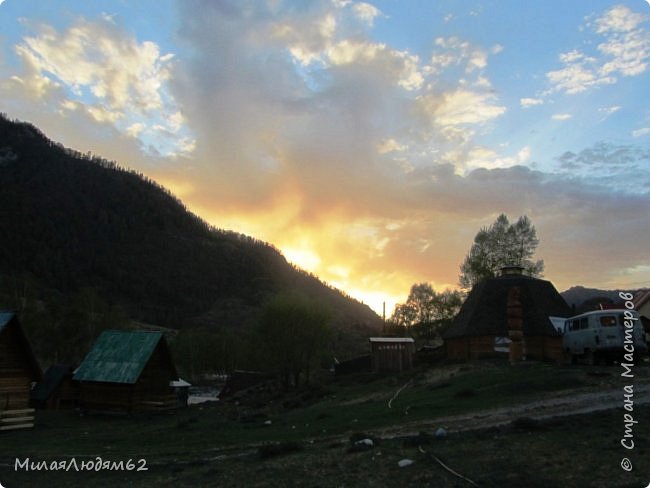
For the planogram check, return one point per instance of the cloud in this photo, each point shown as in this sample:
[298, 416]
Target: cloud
[365, 163]
[530, 102]
[579, 74]
[366, 12]
[619, 19]
[621, 167]
[624, 52]
[483, 157]
[561, 116]
[97, 68]
[455, 52]
[641, 132]
[606, 154]
[372, 183]
[461, 107]
[607, 111]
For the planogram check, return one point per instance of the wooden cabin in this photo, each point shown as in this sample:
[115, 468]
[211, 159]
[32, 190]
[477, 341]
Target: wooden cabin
[391, 354]
[128, 371]
[509, 317]
[18, 370]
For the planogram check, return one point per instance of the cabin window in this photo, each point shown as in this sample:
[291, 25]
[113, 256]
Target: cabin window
[584, 323]
[608, 321]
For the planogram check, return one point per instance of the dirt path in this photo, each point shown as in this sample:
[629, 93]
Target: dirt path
[557, 406]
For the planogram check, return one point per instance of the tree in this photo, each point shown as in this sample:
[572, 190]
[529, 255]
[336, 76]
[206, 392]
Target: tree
[293, 332]
[426, 311]
[501, 244]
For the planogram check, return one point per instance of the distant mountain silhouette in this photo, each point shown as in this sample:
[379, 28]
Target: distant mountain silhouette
[586, 299]
[73, 221]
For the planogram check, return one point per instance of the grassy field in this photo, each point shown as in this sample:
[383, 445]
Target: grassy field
[307, 439]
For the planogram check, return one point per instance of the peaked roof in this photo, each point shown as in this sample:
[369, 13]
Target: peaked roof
[485, 310]
[51, 380]
[120, 356]
[391, 339]
[6, 321]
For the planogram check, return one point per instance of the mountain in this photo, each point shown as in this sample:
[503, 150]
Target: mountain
[586, 299]
[74, 222]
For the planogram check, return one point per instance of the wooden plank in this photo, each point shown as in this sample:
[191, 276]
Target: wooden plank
[10, 420]
[18, 426]
[16, 412]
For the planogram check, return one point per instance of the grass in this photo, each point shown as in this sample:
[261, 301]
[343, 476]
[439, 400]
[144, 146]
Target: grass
[309, 444]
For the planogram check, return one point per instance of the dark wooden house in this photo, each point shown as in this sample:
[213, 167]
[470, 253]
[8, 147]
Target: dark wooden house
[128, 371]
[18, 370]
[391, 354]
[510, 317]
[56, 389]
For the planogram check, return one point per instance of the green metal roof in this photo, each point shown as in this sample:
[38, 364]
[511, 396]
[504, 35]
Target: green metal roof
[118, 356]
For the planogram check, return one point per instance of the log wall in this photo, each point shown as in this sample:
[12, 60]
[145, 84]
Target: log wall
[15, 371]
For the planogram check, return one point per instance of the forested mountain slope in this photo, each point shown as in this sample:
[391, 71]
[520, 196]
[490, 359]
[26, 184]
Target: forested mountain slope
[73, 222]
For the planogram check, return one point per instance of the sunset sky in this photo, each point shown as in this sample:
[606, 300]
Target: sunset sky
[369, 142]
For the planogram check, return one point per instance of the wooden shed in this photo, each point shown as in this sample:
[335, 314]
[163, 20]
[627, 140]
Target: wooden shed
[128, 371]
[18, 370]
[391, 354]
[510, 317]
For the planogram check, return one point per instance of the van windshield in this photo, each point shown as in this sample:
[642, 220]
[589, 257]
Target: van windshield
[608, 321]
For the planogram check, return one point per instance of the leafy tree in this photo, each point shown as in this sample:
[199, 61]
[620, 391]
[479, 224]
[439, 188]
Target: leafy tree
[208, 350]
[293, 331]
[427, 311]
[501, 244]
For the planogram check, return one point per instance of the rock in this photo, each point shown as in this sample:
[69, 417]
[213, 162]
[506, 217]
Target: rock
[441, 433]
[268, 422]
[405, 462]
[362, 445]
[366, 442]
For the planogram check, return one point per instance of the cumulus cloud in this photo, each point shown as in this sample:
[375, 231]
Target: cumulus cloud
[460, 107]
[624, 52]
[97, 68]
[483, 157]
[366, 12]
[579, 74]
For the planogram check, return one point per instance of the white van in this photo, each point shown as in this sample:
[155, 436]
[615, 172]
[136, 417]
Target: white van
[601, 336]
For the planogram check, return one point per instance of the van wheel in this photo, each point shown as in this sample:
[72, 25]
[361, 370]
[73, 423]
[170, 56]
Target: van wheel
[590, 358]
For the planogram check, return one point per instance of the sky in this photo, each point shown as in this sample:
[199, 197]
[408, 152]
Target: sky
[368, 141]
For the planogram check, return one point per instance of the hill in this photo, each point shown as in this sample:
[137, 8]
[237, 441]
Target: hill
[80, 229]
[586, 299]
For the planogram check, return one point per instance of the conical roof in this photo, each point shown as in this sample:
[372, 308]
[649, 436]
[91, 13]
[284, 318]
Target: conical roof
[485, 310]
